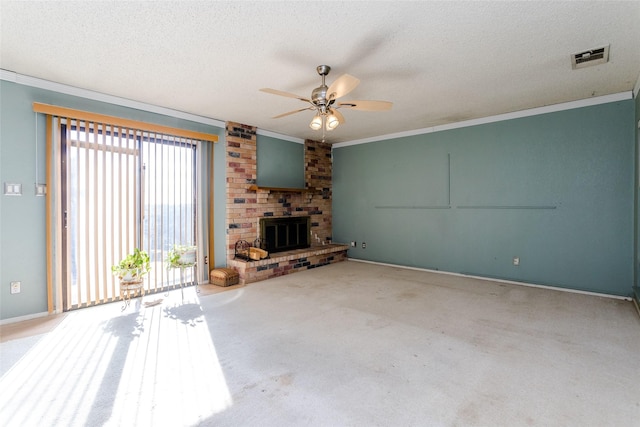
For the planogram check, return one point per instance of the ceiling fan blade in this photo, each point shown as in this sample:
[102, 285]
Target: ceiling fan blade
[366, 105]
[282, 93]
[291, 112]
[342, 86]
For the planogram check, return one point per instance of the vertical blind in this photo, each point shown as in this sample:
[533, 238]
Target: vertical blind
[124, 188]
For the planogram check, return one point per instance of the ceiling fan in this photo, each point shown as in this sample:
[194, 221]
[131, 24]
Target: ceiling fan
[324, 100]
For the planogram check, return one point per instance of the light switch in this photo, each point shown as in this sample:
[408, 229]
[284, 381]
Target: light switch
[41, 189]
[12, 189]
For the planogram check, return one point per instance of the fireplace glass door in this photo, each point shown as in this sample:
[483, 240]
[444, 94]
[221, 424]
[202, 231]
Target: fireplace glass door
[283, 234]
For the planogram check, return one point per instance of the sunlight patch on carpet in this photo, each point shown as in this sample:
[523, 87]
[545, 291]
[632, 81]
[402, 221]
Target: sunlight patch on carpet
[152, 365]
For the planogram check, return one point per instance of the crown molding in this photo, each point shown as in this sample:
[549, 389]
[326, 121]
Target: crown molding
[498, 118]
[13, 77]
[280, 136]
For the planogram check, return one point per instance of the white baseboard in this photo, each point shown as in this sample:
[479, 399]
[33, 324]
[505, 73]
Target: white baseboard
[511, 282]
[637, 307]
[23, 318]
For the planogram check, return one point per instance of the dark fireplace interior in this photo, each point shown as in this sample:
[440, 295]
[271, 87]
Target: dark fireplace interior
[284, 234]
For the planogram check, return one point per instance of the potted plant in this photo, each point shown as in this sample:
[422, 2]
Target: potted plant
[181, 256]
[133, 267]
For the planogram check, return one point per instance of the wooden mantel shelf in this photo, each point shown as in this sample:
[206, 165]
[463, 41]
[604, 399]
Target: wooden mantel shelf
[279, 189]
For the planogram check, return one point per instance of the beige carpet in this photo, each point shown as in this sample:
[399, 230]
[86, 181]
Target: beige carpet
[349, 344]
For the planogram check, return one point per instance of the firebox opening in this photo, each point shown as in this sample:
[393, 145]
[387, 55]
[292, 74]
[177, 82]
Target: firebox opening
[284, 234]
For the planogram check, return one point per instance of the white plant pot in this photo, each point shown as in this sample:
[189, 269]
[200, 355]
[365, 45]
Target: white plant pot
[188, 257]
[131, 275]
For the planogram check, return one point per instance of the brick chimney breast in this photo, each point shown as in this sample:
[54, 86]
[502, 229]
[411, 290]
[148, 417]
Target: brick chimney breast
[244, 207]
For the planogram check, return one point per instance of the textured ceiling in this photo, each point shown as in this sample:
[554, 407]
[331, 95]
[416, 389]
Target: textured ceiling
[438, 62]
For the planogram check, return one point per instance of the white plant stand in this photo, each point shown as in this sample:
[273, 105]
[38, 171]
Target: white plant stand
[187, 260]
[129, 288]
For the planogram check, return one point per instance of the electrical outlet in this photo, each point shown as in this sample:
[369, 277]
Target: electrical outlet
[364, 245]
[353, 244]
[516, 260]
[15, 287]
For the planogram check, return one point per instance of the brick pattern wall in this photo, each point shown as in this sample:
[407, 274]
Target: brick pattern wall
[241, 172]
[245, 207]
[317, 175]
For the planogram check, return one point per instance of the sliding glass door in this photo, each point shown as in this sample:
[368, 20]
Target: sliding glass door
[122, 189]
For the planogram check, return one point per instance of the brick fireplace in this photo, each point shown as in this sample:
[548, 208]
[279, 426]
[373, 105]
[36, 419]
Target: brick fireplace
[247, 203]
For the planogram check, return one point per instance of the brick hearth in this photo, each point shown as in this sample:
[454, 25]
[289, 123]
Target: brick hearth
[282, 263]
[245, 206]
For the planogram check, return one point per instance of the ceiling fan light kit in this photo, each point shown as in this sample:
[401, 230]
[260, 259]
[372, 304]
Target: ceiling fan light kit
[324, 101]
[332, 121]
[316, 122]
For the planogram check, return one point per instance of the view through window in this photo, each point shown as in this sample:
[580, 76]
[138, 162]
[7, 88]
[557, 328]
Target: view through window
[123, 189]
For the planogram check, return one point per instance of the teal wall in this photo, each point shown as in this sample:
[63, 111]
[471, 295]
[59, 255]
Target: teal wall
[443, 200]
[280, 163]
[22, 218]
[555, 190]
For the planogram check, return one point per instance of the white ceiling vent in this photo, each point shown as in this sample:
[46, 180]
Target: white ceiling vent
[590, 57]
